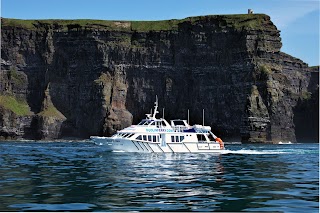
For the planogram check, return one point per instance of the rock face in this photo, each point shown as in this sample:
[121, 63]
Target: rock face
[84, 77]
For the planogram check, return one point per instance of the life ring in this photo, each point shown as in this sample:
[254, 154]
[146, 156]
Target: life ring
[218, 140]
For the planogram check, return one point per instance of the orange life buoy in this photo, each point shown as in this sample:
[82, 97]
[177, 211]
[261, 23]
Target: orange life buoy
[220, 142]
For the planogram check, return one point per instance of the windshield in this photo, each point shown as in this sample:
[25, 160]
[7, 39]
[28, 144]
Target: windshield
[145, 122]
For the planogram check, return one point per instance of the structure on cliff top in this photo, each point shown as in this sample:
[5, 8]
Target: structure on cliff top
[76, 78]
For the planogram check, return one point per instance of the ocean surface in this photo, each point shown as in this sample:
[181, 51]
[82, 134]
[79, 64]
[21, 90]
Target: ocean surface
[81, 176]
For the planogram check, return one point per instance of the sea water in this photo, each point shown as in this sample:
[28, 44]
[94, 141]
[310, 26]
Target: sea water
[81, 176]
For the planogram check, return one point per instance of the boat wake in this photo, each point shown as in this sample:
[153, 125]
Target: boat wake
[253, 152]
[270, 152]
[117, 151]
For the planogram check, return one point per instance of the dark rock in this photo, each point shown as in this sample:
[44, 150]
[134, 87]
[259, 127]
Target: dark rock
[95, 78]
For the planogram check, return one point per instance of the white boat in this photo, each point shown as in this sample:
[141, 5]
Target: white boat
[157, 135]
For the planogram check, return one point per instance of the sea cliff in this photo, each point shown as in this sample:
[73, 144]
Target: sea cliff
[76, 78]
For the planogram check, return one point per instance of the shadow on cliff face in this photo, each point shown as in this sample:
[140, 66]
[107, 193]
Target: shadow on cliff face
[306, 118]
[30, 132]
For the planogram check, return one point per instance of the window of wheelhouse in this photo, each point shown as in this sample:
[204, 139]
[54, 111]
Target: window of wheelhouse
[178, 123]
[142, 122]
[201, 137]
[152, 123]
[146, 122]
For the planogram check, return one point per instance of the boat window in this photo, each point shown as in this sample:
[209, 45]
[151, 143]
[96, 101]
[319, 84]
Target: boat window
[144, 137]
[128, 136]
[154, 138]
[141, 122]
[144, 122]
[163, 123]
[172, 138]
[177, 138]
[180, 123]
[158, 139]
[152, 123]
[181, 138]
[201, 137]
[139, 137]
[149, 137]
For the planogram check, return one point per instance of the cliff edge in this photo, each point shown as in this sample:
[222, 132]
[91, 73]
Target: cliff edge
[76, 78]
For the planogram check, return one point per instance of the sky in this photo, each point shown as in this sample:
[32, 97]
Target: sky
[298, 20]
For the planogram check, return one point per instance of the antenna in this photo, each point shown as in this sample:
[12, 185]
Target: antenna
[188, 117]
[202, 117]
[163, 113]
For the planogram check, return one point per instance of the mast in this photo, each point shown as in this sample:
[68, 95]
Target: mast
[153, 116]
[188, 117]
[155, 108]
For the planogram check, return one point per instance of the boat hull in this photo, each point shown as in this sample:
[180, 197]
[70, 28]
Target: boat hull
[127, 145]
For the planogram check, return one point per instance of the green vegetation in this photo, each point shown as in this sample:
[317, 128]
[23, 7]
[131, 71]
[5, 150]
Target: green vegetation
[51, 111]
[241, 21]
[315, 68]
[155, 25]
[63, 25]
[103, 78]
[19, 107]
[305, 95]
[17, 78]
[246, 21]
[265, 70]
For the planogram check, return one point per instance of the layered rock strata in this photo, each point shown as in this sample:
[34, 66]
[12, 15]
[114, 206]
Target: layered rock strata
[85, 77]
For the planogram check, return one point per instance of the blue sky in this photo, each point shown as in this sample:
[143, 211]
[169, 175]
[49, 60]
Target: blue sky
[298, 20]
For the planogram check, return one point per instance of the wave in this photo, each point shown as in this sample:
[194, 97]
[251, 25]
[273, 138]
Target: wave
[271, 152]
[118, 151]
[253, 152]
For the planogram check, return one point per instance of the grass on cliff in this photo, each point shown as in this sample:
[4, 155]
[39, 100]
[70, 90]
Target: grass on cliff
[60, 24]
[315, 68]
[51, 111]
[239, 21]
[305, 95]
[19, 107]
[16, 77]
